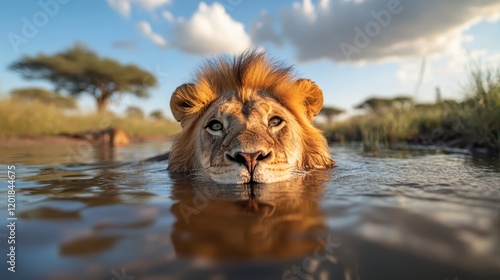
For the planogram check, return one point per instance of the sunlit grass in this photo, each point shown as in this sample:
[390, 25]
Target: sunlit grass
[380, 129]
[36, 119]
[477, 118]
[479, 114]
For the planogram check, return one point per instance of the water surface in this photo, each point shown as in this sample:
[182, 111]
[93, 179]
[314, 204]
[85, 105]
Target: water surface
[90, 213]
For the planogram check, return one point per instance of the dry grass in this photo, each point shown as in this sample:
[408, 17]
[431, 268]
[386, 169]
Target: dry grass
[479, 114]
[477, 118]
[384, 128]
[36, 119]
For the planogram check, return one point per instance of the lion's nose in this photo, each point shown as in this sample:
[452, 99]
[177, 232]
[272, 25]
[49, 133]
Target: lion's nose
[250, 160]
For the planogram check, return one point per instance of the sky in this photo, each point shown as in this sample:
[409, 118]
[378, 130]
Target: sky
[353, 49]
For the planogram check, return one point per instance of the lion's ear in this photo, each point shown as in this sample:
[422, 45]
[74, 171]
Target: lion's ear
[182, 100]
[313, 97]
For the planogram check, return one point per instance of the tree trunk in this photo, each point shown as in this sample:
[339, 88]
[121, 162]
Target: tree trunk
[102, 106]
[103, 98]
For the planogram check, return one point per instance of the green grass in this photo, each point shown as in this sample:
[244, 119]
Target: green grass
[477, 118]
[36, 119]
[479, 114]
[384, 128]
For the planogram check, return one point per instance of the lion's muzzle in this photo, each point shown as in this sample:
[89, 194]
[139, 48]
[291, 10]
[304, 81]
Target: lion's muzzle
[250, 160]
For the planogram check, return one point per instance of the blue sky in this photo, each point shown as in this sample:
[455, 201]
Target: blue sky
[353, 49]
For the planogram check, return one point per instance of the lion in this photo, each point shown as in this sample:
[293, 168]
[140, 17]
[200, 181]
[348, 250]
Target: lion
[247, 119]
[111, 136]
[114, 136]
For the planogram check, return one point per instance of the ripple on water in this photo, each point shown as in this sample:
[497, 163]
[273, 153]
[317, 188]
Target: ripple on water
[395, 214]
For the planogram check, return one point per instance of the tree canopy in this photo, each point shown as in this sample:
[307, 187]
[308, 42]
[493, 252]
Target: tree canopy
[157, 115]
[135, 112]
[44, 96]
[80, 70]
[377, 104]
[330, 112]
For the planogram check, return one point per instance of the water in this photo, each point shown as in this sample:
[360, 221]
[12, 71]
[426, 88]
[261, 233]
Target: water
[86, 213]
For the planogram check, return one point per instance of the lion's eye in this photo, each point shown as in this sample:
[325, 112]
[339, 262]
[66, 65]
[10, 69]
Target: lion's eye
[215, 125]
[275, 121]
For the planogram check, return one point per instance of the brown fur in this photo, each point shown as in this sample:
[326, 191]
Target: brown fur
[112, 136]
[119, 137]
[239, 78]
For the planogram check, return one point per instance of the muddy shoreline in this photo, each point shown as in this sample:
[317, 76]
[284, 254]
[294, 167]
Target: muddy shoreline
[454, 140]
[65, 140]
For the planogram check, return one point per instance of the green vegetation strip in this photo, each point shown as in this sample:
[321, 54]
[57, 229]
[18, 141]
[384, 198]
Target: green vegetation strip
[474, 122]
[37, 118]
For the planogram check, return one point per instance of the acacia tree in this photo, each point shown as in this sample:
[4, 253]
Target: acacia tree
[376, 104]
[157, 115]
[79, 70]
[330, 113]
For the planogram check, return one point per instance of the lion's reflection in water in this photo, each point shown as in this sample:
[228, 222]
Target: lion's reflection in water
[268, 222]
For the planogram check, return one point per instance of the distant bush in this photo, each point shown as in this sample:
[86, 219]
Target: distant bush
[157, 115]
[43, 96]
[134, 112]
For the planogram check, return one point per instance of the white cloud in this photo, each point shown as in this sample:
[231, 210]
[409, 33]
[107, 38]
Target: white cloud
[357, 31]
[151, 4]
[123, 7]
[145, 29]
[210, 31]
[168, 16]
[493, 58]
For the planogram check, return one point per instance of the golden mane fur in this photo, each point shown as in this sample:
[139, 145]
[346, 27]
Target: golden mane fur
[239, 78]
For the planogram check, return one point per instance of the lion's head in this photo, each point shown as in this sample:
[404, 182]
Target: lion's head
[247, 119]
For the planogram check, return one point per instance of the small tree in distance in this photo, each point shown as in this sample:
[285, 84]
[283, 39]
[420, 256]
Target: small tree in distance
[330, 113]
[375, 104]
[134, 112]
[378, 105]
[157, 115]
[79, 70]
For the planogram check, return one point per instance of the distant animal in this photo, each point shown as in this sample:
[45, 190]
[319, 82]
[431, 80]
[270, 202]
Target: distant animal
[247, 119]
[111, 136]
